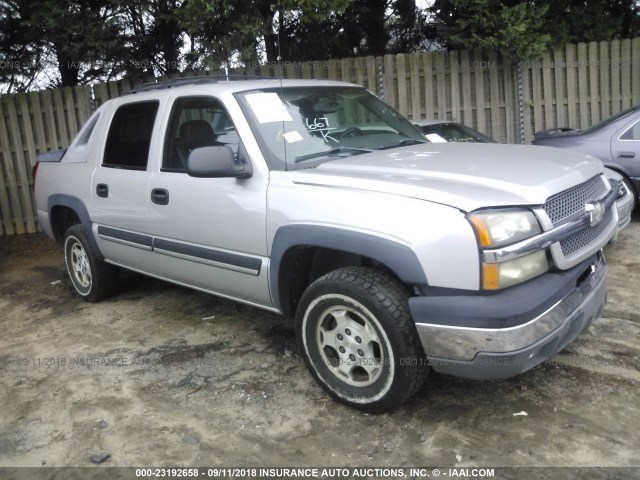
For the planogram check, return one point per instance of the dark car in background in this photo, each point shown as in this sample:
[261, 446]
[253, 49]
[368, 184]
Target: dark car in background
[615, 141]
[449, 131]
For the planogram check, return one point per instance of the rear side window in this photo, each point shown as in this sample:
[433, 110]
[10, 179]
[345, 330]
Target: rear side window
[129, 136]
[632, 134]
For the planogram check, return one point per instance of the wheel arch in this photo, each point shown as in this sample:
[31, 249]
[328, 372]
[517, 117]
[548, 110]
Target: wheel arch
[302, 253]
[620, 171]
[66, 210]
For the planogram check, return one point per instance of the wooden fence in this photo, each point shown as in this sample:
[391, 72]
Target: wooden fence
[577, 85]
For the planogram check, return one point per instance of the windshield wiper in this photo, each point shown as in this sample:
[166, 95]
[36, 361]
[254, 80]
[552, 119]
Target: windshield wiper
[402, 143]
[333, 151]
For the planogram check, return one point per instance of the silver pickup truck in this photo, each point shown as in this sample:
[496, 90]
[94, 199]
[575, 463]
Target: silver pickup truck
[316, 200]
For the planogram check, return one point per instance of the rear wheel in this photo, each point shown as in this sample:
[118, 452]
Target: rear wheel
[92, 278]
[358, 339]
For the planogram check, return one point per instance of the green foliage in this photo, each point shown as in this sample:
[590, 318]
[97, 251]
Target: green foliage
[251, 28]
[573, 21]
[78, 40]
[19, 48]
[525, 29]
[518, 30]
[70, 42]
[81, 35]
[521, 33]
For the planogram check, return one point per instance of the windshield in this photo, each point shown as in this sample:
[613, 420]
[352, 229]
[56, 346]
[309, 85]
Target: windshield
[301, 127]
[610, 120]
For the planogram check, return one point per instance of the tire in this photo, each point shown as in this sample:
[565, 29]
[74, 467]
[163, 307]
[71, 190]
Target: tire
[357, 338]
[92, 279]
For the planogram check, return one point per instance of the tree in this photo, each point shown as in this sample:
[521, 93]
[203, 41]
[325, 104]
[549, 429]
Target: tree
[380, 26]
[154, 36]
[517, 29]
[81, 37]
[303, 29]
[67, 42]
[72, 42]
[408, 27]
[20, 49]
[531, 24]
[573, 21]
[252, 29]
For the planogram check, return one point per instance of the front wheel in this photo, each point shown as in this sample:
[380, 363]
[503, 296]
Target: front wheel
[92, 278]
[358, 339]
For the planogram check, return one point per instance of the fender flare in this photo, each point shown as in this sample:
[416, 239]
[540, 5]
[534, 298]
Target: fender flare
[78, 206]
[400, 258]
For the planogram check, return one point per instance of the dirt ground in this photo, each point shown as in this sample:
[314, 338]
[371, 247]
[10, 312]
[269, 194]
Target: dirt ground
[163, 376]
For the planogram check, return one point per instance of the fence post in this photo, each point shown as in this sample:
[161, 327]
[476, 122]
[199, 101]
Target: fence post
[520, 102]
[381, 78]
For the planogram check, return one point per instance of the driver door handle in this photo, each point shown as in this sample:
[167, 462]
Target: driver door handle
[160, 196]
[102, 190]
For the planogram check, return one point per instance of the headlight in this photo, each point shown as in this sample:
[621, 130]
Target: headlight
[500, 228]
[506, 274]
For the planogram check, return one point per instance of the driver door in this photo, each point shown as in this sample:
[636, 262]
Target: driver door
[209, 233]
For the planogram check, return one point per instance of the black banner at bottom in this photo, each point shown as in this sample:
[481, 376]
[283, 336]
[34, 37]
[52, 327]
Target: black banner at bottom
[320, 473]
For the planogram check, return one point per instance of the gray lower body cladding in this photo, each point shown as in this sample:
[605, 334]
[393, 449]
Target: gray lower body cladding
[553, 311]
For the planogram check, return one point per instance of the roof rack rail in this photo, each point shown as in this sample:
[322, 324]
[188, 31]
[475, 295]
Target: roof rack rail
[196, 80]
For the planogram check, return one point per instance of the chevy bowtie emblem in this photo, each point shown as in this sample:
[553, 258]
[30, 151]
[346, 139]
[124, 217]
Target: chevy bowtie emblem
[596, 211]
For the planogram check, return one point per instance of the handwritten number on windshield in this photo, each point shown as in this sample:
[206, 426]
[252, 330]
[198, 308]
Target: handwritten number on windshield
[320, 125]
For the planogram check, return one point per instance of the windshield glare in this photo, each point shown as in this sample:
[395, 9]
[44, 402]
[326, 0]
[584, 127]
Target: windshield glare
[299, 127]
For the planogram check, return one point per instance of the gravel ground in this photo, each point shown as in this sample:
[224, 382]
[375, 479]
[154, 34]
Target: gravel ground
[161, 375]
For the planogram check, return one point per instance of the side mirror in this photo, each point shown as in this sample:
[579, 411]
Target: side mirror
[215, 162]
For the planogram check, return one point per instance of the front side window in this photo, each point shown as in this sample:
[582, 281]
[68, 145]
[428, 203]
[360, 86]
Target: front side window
[196, 122]
[298, 127]
[129, 136]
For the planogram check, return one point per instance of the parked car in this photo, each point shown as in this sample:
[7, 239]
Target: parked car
[447, 131]
[615, 141]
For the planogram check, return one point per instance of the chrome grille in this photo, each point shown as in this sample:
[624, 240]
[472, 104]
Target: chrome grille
[584, 237]
[562, 207]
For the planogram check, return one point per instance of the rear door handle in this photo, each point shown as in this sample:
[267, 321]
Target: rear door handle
[626, 154]
[160, 196]
[102, 190]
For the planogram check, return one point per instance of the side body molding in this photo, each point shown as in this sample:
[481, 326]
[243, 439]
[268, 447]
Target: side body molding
[78, 206]
[398, 257]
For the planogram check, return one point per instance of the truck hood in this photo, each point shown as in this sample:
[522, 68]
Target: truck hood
[466, 176]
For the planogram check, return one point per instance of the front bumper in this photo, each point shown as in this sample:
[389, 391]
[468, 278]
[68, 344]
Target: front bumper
[502, 335]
